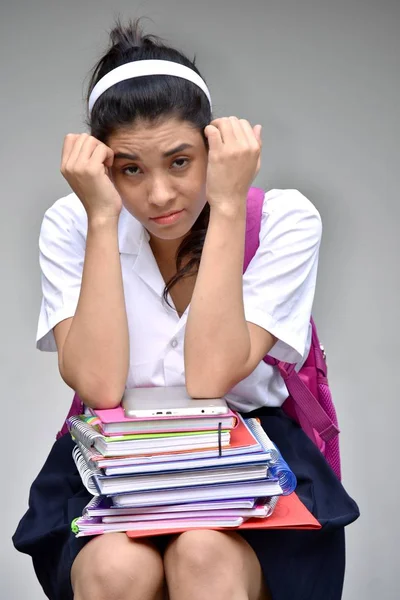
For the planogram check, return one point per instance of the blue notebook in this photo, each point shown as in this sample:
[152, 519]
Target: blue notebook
[277, 466]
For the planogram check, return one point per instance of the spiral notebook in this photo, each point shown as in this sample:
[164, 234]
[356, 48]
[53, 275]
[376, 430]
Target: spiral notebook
[101, 506]
[92, 523]
[88, 527]
[224, 491]
[242, 442]
[140, 444]
[277, 466]
[94, 479]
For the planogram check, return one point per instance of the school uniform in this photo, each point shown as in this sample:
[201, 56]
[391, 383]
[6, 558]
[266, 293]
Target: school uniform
[278, 292]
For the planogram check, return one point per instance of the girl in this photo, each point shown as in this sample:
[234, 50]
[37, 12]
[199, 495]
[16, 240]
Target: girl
[142, 286]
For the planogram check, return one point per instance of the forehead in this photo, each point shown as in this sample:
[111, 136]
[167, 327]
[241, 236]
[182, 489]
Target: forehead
[144, 134]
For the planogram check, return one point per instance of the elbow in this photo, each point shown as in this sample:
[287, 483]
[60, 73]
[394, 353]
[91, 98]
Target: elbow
[95, 392]
[99, 398]
[200, 389]
[214, 384]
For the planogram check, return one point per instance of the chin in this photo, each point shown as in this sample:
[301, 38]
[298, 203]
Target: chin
[169, 233]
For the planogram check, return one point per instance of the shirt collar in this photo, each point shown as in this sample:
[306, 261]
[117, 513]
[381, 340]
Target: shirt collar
[131, 233]
[133, 240]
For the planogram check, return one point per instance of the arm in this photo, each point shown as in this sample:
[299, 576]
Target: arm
[235, 320]
[93, 346]
[221, 348]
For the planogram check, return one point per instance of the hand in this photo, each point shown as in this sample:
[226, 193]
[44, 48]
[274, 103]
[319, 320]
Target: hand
[85, 164]
[233, 161]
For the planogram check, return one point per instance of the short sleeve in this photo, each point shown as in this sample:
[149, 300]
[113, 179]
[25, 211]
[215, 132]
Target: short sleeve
[279, 283]
[61, 256]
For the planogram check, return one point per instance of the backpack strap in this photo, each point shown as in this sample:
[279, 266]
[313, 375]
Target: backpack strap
[305, 400]
[300, 393]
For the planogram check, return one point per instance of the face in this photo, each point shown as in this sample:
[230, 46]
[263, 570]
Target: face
[159, 171]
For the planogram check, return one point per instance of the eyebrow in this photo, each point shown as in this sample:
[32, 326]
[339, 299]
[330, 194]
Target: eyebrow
[165, 155]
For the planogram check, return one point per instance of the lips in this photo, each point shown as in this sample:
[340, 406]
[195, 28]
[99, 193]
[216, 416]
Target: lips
[174, 212]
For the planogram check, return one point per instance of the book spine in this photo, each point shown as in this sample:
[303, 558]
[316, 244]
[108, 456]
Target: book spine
[88, 476]
[277, 466]
[88, 455]
[83, 432]
[94, 503]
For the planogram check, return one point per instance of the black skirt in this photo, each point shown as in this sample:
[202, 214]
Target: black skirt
[297, 565]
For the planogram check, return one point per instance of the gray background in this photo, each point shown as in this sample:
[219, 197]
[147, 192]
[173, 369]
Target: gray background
[321, 77]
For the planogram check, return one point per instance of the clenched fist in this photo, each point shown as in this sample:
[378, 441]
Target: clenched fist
[233, 161]
[85, 164]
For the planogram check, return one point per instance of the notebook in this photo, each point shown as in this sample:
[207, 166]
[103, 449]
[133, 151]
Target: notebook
[245, 513]
[84, 527]
[114, 422]
[101, 506]
[93, 478]
[224, 491]
[289, 513]
[138, 444]
[200, 463]
[242, 442]
[277, 466]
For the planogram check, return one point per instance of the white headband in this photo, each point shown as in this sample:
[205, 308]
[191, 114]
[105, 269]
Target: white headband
[141, 68]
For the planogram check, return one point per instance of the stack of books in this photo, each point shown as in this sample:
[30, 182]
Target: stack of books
[159, 474]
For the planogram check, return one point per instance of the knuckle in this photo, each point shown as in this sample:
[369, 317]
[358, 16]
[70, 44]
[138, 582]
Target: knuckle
[91, 170]
[78, 170]
[236, 152]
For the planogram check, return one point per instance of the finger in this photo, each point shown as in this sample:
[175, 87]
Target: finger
[67, 148]
[87, 148]
[250, 133]
[102, 155]
[240, 135]
[76, 149]
[224, 125]
[257, 132]
[213, 135]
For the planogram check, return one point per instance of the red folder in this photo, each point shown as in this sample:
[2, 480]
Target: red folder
[289, 513]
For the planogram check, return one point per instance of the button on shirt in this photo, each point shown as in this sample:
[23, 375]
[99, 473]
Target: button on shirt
[278, 292]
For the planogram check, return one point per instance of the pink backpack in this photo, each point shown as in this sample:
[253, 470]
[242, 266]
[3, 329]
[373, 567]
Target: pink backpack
[309, 401]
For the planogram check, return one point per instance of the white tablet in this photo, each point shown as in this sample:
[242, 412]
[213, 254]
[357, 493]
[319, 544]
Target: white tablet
[169, 402]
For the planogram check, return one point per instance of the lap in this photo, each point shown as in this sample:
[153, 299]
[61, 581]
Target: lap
[221, 559]
[295, 564]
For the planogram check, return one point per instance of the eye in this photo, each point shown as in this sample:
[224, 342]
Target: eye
[129, 170]
[185, 160]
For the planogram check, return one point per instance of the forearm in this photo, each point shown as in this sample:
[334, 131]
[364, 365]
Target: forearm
[95, 355]
[217, 339]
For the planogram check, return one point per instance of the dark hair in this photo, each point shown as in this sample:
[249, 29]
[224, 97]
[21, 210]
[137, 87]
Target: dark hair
[151, 98]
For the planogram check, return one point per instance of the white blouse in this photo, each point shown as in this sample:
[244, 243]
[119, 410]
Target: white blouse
[278, 292]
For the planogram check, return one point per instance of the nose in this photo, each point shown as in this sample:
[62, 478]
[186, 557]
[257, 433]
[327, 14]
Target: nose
[161, 193]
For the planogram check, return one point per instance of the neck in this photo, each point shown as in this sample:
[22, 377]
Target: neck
[164, 250]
